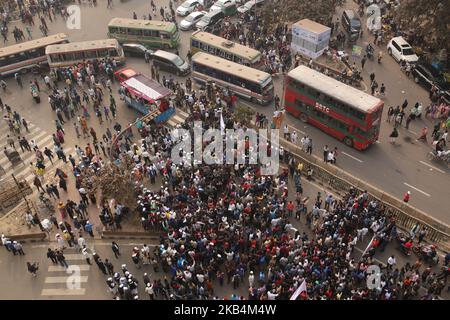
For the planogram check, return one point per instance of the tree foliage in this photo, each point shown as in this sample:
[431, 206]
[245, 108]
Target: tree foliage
[428, 21]
[288, 11]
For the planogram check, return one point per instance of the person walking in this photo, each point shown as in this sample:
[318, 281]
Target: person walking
[52, 256]
[33, 268]
[393, 136]
[18, 247]
[363, 61]
[109, 267]
[86, 255]
[89, 228]
[423, 134]
[38, 184]
[406, 196]
[115, 248]
[61, 259]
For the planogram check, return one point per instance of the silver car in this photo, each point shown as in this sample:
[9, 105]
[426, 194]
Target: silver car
[190, 21]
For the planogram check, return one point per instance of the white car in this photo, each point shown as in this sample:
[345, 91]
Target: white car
[188, 6]
[249, 5]
[220, 4]
[399, 49]
[190, 21]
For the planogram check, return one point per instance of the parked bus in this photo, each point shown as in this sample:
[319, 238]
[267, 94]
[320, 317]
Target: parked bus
[246, 82]
[218, 46]
[151, 33]
[27, 55]
[68, 54]
[342, 111]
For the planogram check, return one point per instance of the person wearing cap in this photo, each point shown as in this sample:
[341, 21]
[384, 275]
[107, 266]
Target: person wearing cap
[406, 196]
[86, 255]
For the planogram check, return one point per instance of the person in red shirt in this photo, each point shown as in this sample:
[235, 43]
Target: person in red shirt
[406, 197]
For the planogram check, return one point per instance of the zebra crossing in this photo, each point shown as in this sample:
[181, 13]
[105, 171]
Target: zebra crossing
[69, 281]
[42, 139]
[178, 118]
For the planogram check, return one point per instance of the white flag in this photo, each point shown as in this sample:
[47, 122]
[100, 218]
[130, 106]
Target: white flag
[222, 124]
[299, 290]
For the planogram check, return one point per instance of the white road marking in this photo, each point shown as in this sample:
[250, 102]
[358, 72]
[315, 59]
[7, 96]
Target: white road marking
[354, 158]
[415, 133]
[433, 167]
[64, 279]
[83, 267]
[417, 189]
[63, 292]
[74, 256]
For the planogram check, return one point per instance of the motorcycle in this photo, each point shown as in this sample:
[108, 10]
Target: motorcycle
[370, 52]
[427, 253]
[402, 239]
[443, 156]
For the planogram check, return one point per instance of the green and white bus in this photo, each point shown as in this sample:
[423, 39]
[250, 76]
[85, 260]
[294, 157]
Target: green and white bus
[149, 33]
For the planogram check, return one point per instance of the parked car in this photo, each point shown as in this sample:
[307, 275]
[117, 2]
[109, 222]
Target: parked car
[170, 62]
[124, 74]
[190, 21]
[351, 24]
[188, 7]
[399, 49]
[228, 7]
[426, 75]
[209, 20]
[249, 5]
[135, 50]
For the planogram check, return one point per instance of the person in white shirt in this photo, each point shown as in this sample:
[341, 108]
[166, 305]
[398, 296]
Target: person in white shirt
[391, 261]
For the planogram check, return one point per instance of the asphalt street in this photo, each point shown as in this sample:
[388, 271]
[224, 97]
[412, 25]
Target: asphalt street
[394, 169]
[54, 282]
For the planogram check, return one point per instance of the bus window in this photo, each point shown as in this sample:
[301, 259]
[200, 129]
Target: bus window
[3, 62]
[91, 54]
[77, 55]
[204, 47]
[195, 43]
[102, 53]
[164, 35]
[155, 33]
[212, 50]
[147, 33]
[113, 30]
[112, 52]
[123, 30]
[221, 53]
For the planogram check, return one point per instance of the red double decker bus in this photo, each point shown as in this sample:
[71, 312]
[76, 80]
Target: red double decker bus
[342, 111]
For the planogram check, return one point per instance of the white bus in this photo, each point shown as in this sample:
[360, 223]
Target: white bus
[26, 55]
[246, 82]
[218, 46]
[64, 55]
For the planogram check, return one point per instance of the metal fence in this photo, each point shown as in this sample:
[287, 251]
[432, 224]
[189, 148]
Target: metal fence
[406, 216]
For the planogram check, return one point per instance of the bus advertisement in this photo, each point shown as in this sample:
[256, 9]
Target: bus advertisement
[346, 113]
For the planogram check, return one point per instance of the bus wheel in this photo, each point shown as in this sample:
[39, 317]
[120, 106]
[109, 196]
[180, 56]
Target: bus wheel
[304, 118]
[348, 141]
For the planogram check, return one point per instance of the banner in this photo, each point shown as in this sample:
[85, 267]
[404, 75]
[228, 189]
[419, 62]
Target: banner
[299, 290]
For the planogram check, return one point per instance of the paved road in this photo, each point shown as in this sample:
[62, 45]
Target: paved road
[394, 169]
[54, 282]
